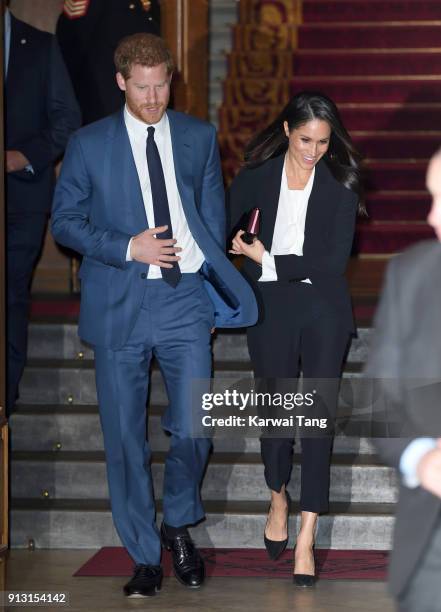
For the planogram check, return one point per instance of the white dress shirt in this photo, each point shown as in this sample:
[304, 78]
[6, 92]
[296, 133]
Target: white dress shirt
[289, 229]
[191, 255]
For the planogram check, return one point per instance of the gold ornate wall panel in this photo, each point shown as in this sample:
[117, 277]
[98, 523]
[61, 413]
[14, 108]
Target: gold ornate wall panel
[257, 64]
[260, 68]
[273, 12]
[265, 37]
[240, 92]
[247, 119]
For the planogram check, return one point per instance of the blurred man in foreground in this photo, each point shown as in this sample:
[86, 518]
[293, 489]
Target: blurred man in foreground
[406, 356]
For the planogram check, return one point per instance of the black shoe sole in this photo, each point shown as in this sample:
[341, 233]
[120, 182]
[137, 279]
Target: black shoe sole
[187, 586]
[140, 596]
[303, 582]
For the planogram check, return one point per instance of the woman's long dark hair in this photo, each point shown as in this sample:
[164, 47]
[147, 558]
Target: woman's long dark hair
[342, 158]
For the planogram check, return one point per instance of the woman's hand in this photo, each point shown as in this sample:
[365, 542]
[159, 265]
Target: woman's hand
[254, 251]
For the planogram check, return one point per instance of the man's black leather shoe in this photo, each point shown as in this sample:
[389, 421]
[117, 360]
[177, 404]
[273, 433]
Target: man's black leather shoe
[188, 565]
[145, 582]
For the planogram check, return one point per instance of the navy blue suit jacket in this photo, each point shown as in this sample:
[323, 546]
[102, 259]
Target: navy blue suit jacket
[41, 114]
[98, 207]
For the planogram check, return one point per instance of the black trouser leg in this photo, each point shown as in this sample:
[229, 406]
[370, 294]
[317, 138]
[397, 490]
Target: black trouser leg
[273, 345]
[24, 239]
[296, 324]
[323, 346]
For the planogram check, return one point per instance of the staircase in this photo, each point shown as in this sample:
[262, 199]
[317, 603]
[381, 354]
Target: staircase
[58, 482]
[381, 62]
[223, 15]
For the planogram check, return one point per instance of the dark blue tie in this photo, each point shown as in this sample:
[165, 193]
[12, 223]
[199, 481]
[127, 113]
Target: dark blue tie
[160, 203]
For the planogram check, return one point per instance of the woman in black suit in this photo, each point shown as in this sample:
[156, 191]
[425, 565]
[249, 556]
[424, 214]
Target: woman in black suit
[303, 173]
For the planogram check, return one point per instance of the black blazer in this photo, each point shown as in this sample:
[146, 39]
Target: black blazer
[41, 113]
[329, 230]
[405, 362]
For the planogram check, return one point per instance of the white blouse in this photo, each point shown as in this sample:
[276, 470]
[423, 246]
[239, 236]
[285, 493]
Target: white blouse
[289, 229]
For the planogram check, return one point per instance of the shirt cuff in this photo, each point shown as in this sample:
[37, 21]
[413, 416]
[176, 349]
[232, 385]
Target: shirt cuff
[411, 457]
[128, 256]
[268, 268]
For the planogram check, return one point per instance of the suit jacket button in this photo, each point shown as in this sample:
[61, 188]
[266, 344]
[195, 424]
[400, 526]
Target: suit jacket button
[143, 275]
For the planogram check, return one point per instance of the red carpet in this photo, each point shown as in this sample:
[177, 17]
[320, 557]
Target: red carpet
[396, 206]
[239, 562]
[379, 89]
[54, 308]
[371, 10]
[367, 36]
[389, 238]
[360, 63]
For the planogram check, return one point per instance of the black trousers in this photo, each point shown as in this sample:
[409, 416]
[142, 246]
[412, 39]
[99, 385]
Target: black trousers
[25, 233]
[296, 327]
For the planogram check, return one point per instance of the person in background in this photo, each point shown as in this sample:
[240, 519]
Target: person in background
[405, 364]
[41, 112]
[88, 33]
[303, 173]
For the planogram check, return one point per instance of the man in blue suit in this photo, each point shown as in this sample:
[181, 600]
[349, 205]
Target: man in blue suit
[141, 197]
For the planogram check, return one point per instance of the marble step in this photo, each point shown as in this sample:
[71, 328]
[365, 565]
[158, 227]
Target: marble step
[229, 477]
[216, 93]
[41, 427]
[218, 66]
[222, 13]
[88, 524]
[221, 39]
[61, 341]
[59, 381]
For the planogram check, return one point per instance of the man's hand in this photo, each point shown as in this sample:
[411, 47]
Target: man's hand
[254, 251]
[429, 470]
[150, 250]
[15, 161]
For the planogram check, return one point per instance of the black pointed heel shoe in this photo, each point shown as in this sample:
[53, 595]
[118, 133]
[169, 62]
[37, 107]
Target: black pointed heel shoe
[275, 548]
[305, 580]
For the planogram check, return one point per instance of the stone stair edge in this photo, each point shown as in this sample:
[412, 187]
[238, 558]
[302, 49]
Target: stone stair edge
[222, 507]
[217, 458]
[87, 364]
